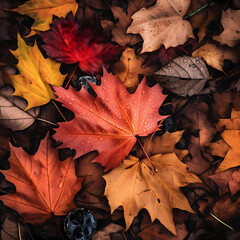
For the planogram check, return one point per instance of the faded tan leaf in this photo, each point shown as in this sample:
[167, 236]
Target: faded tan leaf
[162, 24]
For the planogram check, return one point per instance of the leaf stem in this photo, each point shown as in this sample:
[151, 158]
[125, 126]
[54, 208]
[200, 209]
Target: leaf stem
[59, 111]
[46, 121]
[221, 221]
[155, 169]
[154, 133]
[19, 230]
[71, 76]
[58, 227]
[198, 10]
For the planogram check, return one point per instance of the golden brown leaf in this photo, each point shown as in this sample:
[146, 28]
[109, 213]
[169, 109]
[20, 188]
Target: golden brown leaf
[215, 54]
[129, 67]
[43, 11]
[134, 185]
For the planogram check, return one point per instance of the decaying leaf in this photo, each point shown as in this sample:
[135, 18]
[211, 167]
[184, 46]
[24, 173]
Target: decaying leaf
[123, 20]
[43, 11]
[12, 114]
[110, 122]
[162, 24]
[184, 76]
[11, 230]
[105, 233]
[215, 54]
[205, 17]
[69, 43]
[44, 185]
[134, 185]
[129, 67]
[231, 24]
[35, 75]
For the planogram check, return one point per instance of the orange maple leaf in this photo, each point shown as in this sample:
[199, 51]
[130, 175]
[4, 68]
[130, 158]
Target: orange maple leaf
[45, 186]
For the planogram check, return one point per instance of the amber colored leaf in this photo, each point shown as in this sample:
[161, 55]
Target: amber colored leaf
[43, 11]
[129, 67]
[45, 186]
[123, 20]
[69, 43]
[162, 144]
[231, 137]
[215, 54]
[35, 75]
[110, 122]
[231, 24]
[162, 23]
[134, 185]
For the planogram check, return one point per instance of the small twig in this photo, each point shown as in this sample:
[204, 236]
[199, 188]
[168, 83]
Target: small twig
[71, 76]
[19, 230]
[132, 233]
[59, 111]
[124, 236]
[155, 169]
[221, 221]
[198, 10]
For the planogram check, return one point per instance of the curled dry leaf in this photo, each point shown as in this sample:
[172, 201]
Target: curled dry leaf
[134, 185]
[129, 67]
[43, 11]
[184, 76]
[42, 183]
[12, 114]
[110, 122]
[231, 24]
[69, 43]
[123, 20]
[35, 75]
[162, 24]
[215, 54]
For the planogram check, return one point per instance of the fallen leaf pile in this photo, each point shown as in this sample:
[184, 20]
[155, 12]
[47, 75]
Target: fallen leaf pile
[128, 109]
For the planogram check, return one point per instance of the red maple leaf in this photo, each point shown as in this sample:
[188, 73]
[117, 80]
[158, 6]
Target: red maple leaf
[110, 122]
[70, 43]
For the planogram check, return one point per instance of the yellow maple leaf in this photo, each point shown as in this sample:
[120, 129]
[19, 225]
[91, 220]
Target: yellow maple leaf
[134, 185]
[35, 75]
[162, 23]
[43, 11]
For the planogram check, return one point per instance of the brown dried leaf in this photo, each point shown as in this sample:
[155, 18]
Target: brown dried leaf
[184, 76]
[123, 21]
[231, 24]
